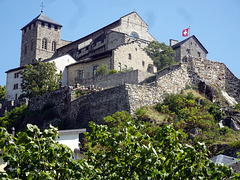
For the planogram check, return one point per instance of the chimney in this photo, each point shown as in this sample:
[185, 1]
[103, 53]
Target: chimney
[173, 42]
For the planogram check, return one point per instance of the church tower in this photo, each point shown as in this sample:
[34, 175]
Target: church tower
[40, 39]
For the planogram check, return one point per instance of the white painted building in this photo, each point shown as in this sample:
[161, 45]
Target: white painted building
[13, 83]
[70, 138]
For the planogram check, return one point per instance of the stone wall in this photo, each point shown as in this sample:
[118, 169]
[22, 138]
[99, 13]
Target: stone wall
[95, 106]
[112, 80]
[193, 70]
[60, 99]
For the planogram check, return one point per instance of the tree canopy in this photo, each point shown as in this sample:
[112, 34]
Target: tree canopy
[2, 92]
[161, 54]
[124, 148]
[39, 79]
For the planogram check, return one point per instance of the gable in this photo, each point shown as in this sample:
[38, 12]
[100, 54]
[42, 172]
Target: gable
[184, 42]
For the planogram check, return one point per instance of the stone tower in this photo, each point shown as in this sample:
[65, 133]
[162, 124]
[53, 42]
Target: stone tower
[40, 38]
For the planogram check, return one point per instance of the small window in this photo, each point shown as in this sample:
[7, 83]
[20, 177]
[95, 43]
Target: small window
[55, 27]
[125, 67]
[54, 46]
[119, 67]
[143, 63]
[44, 43]
[30, 27]
[95, 70]
[80, 74]
[42, 23]
[188, 51]
[16, 96]
[15, 86]
[25, 30]
[129, 56]
[16, 75]
[25, 48]
[49, 26]
[199, 54]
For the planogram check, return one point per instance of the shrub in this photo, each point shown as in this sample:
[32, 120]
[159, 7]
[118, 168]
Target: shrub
[235, 144]
[102, 70]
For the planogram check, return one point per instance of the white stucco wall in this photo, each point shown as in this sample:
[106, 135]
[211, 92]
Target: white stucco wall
[10, 91]
[61, 63]
[70, 138]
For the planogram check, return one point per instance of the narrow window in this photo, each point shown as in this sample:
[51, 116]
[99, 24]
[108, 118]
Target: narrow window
[55, 27]
[188, 51]
[80, 74]
[95, 70]
[54, 46]
[119, 67]
[16, 75]
[199, 54]
[31, 45]
[16, 96]
[125, 67]
[15, 86]
[25, 48]
[42, 23]
[49, 26]
[143, 63]
[129, 56]
[44, 43]
[30, 27]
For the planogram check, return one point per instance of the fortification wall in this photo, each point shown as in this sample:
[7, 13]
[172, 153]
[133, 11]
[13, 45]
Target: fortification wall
[193, 70]
[112, 80]
[94, 107]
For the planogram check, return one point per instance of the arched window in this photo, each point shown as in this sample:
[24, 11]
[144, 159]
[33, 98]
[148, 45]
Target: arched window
[54, 44]
[119, 67]
[134, 34]
[44, 43]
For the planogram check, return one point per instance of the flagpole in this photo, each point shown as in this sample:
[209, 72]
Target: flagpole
[189, 31]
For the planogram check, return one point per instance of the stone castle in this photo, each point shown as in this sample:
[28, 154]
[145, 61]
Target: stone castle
[119, 45]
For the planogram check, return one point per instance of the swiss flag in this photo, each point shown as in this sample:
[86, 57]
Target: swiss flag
[185, 32]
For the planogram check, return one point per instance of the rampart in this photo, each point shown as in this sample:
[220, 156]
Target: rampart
[129, 97]
[118, 79]
[193, 70]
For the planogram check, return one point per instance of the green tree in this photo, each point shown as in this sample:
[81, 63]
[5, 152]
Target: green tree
[2, 92]
[128, 149]
[39, 79]
[36, 155]
[123, 149]
[102, 70]
[161, 54]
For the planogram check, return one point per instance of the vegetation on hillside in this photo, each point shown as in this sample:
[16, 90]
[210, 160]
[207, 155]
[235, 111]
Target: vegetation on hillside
[39, 79]
[161, 54]
[124, 148]
[2, 92]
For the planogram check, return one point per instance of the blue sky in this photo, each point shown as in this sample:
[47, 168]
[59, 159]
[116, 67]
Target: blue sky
[216, 23]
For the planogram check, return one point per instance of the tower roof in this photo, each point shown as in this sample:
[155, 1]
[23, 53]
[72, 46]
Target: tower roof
[44, 18]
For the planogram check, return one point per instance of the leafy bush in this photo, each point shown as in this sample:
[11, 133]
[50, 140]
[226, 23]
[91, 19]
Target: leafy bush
[235, 144]
[13, 118]
[112, 71]
[102, 70]
[237, 107]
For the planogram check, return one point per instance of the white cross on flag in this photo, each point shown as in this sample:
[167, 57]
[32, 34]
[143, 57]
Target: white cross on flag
[185, 32]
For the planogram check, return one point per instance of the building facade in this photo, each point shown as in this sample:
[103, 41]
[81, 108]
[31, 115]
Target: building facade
[188, 47]
[119, 45]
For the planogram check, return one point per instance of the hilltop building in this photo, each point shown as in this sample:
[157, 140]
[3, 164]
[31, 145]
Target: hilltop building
[119, 45]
